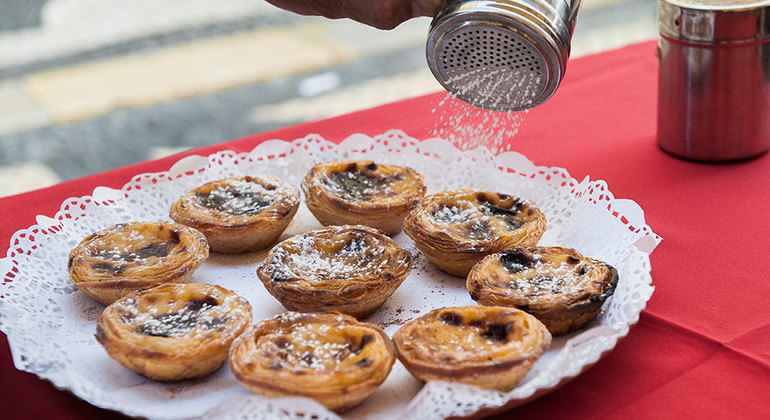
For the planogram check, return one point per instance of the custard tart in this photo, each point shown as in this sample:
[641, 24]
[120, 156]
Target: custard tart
[487, 346]
[329, 357]
[173, 331]
[240, 214]
[129, 256]
[350, 269]
[559, 286]
[456, 229]
[362, 192]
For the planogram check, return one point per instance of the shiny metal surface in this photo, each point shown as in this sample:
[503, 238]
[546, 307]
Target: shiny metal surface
[502, 55]
[714, 80]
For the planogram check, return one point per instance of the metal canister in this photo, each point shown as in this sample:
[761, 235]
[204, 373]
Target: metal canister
[502, 55]
[714, 74]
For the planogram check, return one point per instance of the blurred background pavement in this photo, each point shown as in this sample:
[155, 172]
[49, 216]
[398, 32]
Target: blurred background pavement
[90, 85]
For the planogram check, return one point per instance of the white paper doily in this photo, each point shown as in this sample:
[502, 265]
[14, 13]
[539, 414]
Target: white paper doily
[50, 325]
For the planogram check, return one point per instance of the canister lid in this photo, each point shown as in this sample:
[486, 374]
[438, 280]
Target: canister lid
[722, 5]
[714, 21]
[499, 55]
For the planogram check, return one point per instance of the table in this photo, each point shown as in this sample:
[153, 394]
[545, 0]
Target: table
[701, 349]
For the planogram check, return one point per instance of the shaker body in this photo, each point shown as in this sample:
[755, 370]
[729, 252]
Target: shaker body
[714, 83]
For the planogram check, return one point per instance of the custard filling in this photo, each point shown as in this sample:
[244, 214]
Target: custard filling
[327, 257]
[354, 186]
[175, 317]
[318, 347]
[238, 197]
[477, 221]
[456, 337]
[113, 253]
[537, 275]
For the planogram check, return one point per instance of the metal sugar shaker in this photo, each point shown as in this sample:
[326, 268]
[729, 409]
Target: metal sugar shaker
[503, 55]
[714, 69]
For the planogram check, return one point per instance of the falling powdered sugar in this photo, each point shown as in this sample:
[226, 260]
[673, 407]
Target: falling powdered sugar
[468, 127]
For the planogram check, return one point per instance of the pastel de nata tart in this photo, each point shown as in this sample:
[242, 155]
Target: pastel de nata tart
[456, 229]
[173, 331]
[329, 357]
[487, 346]
[362, 192]
[559, 286]
[239, 214]
[111, 263]
[350, 269]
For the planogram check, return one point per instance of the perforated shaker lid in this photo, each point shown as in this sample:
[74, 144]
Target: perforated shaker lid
[493, 58]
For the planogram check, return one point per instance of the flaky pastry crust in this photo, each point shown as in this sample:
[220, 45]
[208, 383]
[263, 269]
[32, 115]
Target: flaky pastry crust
[456, 229]
[329, 357]
[173, 331]
[239, 214]
[111, 263]
[559, 286]
[487, 346]
[362, 192]
[350, 269]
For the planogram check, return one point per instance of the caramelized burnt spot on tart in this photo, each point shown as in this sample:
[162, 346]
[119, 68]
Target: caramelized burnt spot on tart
[330, 357]
[471, 332]
[173, 331]
[197, 314]
[317, 256]
[557, 273]
[358, 182]
[492, 207]
[455, 229]
[113, 262]
[351, 269]
[467, 222]
[137, 248]
[514, 260]
[490, 347]
[316, 347]
[137, 244]
[239, 214]
[177, 311]
[481, 217]
[558, 285]
[355, 186]
[362, 192]
[239, 197]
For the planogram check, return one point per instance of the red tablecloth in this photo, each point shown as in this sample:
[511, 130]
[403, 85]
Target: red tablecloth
[702, 347]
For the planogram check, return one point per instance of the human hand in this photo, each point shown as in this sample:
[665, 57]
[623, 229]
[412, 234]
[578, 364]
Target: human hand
[381, 14]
